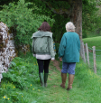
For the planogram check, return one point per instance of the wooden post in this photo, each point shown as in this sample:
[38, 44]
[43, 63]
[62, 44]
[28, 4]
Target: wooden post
[94, 59]
[84, 58]
[81, 49]
[87, 51]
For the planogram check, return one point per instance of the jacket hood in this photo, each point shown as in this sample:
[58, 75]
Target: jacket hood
[41, 34]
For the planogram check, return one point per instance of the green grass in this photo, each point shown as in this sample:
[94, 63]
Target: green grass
[90, 34]
[27, 89]
[86, 85]
[95, 41]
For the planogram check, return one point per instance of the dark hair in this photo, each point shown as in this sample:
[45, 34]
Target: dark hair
[45, 27]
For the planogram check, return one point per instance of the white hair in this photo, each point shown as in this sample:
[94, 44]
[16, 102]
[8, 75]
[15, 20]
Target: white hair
[70, 27]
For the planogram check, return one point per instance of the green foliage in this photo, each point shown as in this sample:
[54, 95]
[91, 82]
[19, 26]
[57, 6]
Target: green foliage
[21, 72]
[23, 20]
[19, 83]
[58, 4]
[44, 10]
[3, 2]
[58, 28]
[91, 20]
[86, 85]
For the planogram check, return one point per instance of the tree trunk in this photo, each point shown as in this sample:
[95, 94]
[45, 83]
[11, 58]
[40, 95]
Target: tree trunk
[75, 13]
[76, 16]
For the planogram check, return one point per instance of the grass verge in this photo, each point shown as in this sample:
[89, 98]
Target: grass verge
[94, 41]
[21, 84]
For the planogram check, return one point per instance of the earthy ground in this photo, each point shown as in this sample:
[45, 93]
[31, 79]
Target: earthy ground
[56, 64]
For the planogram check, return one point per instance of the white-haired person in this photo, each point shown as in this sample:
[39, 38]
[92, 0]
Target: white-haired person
[69, 51]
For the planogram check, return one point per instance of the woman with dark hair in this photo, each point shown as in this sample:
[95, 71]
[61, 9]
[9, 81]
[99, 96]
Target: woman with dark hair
[42, 49]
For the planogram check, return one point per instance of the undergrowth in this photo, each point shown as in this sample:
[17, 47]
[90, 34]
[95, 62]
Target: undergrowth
[21, 84]
[21, 75]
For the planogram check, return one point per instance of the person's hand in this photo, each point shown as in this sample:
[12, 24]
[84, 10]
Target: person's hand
[60, 59]
[52, 59]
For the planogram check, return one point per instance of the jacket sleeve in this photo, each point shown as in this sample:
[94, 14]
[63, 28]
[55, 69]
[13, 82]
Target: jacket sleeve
[51, 49]
[78, 44]
[62, 46]
[33, 47]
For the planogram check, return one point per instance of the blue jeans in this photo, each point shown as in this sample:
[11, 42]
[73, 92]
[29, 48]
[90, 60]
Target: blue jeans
[68, 68]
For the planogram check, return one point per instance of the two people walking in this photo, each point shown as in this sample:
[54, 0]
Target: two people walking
[42, 48]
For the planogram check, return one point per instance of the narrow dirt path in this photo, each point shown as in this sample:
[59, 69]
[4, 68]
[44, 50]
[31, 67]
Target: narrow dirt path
[56, 64]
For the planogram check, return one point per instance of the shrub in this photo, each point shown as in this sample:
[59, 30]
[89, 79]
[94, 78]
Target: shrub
[21, 72]
[22, 20]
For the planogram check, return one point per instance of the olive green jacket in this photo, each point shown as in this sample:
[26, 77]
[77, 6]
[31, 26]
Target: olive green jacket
[42, 45]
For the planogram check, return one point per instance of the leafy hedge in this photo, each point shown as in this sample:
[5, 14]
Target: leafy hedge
[21, 73]
[23, 20]
[19, 84]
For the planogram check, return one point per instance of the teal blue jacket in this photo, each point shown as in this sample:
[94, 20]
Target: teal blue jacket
[69, 48]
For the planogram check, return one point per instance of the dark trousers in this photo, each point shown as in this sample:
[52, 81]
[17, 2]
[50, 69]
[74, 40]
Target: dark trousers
[43, 65]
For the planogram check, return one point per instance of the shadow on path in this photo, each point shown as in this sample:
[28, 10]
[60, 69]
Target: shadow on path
[56, 64]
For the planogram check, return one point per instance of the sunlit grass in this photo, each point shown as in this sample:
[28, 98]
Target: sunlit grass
[95, 41]
[86, 85]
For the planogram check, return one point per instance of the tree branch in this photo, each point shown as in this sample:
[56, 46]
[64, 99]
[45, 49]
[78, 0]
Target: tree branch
[57, 11]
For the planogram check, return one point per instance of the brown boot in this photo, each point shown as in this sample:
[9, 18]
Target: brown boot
[70, 81]
[63, 77]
